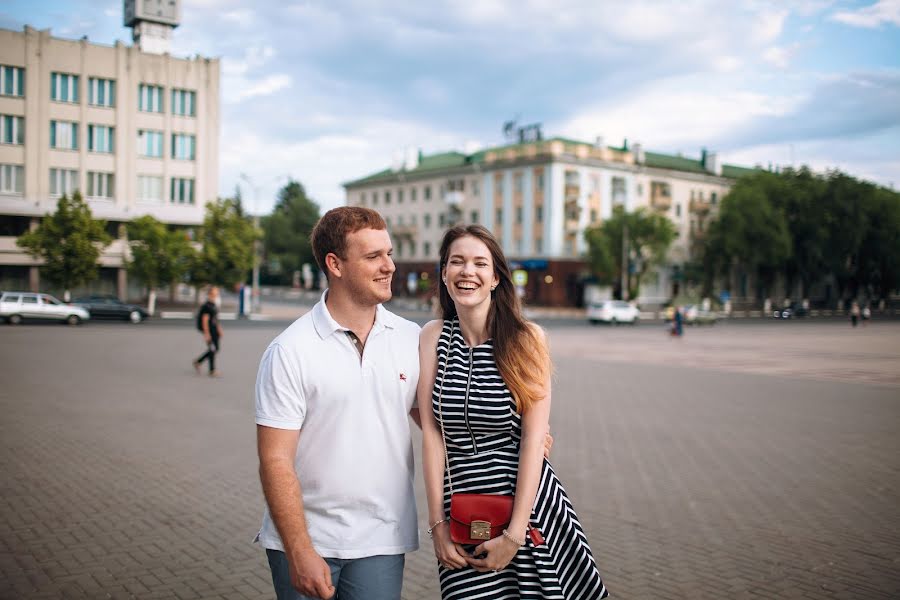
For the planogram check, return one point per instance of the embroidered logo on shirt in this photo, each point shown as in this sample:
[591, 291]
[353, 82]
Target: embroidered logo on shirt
[402, 377]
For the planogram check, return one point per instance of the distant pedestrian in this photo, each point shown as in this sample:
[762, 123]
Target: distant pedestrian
[678, 321]
[866, 314]
[208, 324]
[854, 313]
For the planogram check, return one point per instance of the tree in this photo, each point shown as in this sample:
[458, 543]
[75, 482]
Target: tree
[751, 233]
[226, 254]
[649, 236]
[69, 241]
[286, 232]
[879, 252]
[158, 255]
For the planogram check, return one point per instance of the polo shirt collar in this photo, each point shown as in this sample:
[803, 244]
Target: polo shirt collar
[326, 325]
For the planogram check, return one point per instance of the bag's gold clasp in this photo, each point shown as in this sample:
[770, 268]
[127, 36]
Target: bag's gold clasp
[480, 530]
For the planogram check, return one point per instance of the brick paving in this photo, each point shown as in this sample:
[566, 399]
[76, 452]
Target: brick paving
[754, 461]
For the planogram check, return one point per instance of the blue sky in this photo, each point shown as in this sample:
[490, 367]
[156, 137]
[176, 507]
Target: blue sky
[328, 91]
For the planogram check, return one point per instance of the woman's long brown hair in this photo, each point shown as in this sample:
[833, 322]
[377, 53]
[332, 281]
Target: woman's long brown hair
[521, 353]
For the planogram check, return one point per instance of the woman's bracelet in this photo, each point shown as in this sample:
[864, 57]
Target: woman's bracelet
[435, 524]
[509, 536]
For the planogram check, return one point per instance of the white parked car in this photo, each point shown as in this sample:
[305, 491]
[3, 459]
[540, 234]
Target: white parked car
[18, 306]
[612, 311]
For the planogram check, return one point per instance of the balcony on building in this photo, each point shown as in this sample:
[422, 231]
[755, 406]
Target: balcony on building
[660, 196]
[700, 206]
[407, 232]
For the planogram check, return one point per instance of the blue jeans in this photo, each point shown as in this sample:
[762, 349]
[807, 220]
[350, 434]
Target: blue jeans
[369, 578]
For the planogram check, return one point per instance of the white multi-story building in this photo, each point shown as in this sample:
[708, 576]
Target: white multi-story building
[538, 198]
[135, 130]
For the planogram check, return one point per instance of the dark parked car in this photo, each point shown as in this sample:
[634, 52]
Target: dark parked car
[794, 310]
[110, 307]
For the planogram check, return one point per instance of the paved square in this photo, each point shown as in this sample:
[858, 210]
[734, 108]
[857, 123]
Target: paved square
[743, 461]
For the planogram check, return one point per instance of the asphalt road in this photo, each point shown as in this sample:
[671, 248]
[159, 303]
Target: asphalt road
[742, 461]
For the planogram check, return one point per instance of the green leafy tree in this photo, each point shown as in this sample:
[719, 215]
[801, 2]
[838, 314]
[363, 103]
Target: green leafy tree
[286, 232]
[799, 195]
[648, 235]
[879, 251]
[158, 256]
[751, 233]
[69, 242]
[227, 240]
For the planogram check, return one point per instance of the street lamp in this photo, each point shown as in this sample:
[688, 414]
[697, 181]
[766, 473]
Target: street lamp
[254, 295]
[255, 302]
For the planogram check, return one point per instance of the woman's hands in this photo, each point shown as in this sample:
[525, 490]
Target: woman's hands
[495, 554]
[448, 553]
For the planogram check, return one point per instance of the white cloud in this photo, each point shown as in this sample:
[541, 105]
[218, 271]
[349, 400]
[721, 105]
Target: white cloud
[263, 87]
[780, 56]
[683, 113]
[883, 11]
[322, 163]
[240, 16]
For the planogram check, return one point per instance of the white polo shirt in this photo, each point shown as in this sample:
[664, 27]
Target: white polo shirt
[354, 458]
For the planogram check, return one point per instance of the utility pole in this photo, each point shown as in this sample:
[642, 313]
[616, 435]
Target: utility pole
[624, 282]
[254, 295]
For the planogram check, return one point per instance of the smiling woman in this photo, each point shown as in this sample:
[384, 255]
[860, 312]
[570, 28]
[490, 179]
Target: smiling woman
[485, 371]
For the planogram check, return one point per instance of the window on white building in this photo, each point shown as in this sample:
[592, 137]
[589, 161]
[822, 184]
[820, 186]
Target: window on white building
[63, 181]
[184, 146]
[100, 185]
[12, 81]
[12, 179]
[181, 191]
[63, 87]
[184, 103]
[64, 135]
[474, 216]
[428, 192]
[150, 98]
[150, 189]
[413, 194]
[538, 214]
[150, 143]
[100, 138]
[619, 193]
[499, 217]
[427, 219]
[101, 92]
[12, 129]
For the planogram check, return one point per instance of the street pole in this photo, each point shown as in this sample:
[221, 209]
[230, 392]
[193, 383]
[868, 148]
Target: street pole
[254, 289]
[624, 261]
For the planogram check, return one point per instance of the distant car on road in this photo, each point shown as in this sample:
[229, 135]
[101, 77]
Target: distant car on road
[110, 307]
[795, 309]
[613, 312]
[16, 307]
[694, 315]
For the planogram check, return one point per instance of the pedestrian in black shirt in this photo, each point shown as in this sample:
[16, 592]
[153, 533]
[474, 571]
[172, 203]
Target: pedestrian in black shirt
[208, 324]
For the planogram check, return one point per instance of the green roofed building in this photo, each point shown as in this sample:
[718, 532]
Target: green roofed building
[538, 198]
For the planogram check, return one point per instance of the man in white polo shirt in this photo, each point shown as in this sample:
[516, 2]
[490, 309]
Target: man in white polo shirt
[333, 397]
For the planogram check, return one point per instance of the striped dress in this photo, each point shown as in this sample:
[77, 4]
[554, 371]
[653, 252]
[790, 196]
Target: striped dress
[483, 433]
